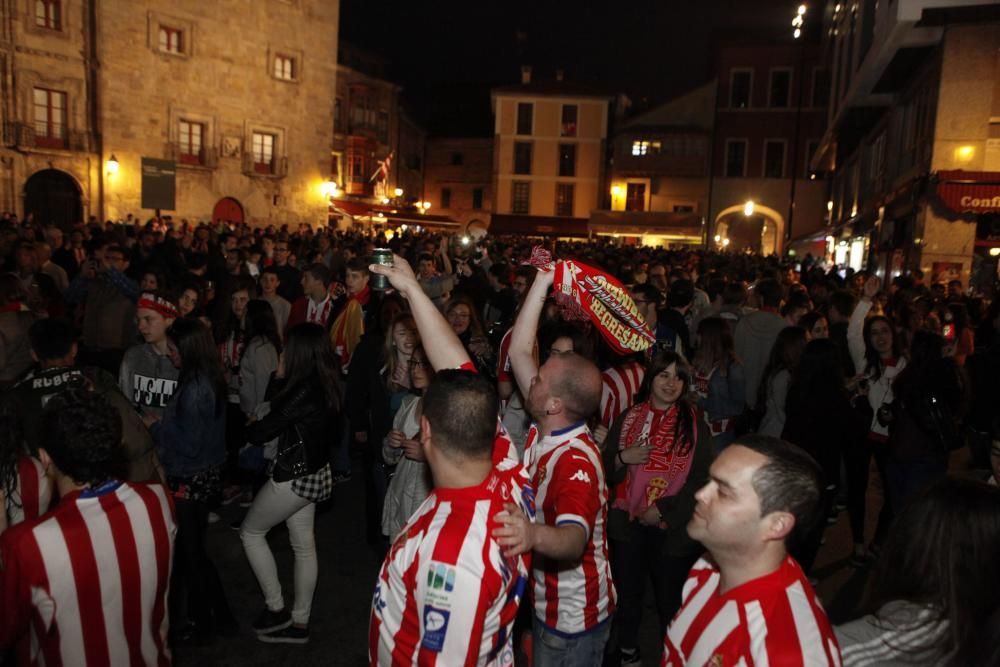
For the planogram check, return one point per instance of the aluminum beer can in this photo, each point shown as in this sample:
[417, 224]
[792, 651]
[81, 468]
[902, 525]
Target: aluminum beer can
[382, 256]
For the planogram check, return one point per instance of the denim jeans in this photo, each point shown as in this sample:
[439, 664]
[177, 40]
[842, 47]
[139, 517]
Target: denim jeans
[276, 502]
[555, 650]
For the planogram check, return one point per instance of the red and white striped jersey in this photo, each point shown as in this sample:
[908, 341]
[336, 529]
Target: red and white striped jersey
[568, 475]
[446, 594]
[620, 385]
[33, 494]
[773, 620]
[87, 582]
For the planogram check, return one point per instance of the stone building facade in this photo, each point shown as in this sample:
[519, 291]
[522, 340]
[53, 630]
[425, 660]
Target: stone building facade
[458, 180]
[238, 94]
[913, 139]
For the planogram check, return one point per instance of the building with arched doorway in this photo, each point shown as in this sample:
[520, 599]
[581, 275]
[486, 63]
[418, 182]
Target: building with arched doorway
[251, 136]
[769, 118]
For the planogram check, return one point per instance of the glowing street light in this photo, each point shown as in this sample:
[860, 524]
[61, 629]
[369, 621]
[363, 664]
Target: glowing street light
[329, 188]
[113, 165]
[398, 192]
[725, 242]
[748, 208]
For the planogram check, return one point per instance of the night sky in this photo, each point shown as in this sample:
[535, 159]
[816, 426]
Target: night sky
[447, 54]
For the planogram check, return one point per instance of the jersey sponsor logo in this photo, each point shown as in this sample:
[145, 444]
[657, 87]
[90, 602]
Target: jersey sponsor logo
[378, 604]
[435, 628]
[152, 392]
[440, 577]
[580, 476]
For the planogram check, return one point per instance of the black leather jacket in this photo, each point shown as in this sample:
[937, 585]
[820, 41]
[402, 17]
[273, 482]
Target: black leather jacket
[305, 407]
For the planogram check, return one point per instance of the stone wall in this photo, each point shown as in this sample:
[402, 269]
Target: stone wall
[223, 78]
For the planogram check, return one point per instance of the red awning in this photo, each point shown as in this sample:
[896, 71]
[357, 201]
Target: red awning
[969, 191]
[538, 225]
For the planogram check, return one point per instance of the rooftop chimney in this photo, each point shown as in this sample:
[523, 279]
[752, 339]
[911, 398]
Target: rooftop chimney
[525, 73]
[560, 74]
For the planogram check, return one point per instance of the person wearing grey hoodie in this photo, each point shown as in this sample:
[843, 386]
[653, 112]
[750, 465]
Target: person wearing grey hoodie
[756, 333]
[147, 377]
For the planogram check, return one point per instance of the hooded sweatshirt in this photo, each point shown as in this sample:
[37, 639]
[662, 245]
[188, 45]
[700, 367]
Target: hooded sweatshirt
[755, 336]
[148, 379]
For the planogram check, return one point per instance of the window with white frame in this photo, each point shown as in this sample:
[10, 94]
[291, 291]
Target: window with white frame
[50, 118]
[285, 67]
[774, 158]
[190, 139]
[171, 39]
[779, 90]
[736, 158]
[48, 14]
[740, 89]
[262, 147]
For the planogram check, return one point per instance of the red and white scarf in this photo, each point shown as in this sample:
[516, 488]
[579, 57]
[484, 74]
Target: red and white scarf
[587, 293]
[669, 464]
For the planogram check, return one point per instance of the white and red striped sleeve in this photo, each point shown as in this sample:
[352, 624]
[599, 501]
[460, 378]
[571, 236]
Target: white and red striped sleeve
[33, 494]
[576, 487]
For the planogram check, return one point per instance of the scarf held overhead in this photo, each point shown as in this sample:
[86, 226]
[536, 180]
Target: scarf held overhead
[588, 293]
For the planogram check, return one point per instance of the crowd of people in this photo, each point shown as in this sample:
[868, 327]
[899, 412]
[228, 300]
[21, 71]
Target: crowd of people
[522, 479]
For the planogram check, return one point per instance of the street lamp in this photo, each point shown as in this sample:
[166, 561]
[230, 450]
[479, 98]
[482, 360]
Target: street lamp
[398, 192]
[748, 208]
[799, 21]
[113, 165]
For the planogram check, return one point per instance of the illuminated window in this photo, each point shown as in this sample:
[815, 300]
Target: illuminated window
[190, 136]
[262, 147]
[50, 118]
[284, 68]
[171, 40]
[642, 147]
[48, 14]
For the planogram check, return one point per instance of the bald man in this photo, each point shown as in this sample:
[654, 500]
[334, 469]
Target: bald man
[574, 594]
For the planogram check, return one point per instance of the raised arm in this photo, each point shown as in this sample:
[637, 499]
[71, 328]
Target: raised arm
[522, 338]
[441, 345]
[856, 325]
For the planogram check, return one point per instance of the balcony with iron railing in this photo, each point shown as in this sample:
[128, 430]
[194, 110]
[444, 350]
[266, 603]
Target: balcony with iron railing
[277, 167]
[204, 158]
[24, 136]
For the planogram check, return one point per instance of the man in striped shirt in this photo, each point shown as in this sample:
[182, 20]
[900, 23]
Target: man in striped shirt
[87, 582]
[446, 594]
[573, 591]
[620, 385]
[747, 601]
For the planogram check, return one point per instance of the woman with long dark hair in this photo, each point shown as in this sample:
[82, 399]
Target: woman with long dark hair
[719, 381]
[821, 420]
[773, 388]
[305, 411]
[191, 445]
[929, 402]
[877, 352]
[411, 481]
[259, 358]
[657, 455]
[933, 597]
